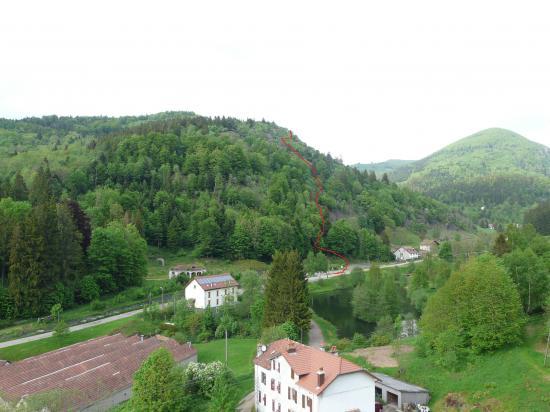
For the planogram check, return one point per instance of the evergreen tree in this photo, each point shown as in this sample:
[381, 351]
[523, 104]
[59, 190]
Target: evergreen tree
[286, 295]
[70, 246]
[19, 189]
[82, 222]
[501, 246]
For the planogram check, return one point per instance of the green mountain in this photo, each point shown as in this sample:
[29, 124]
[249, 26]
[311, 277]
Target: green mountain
[496, 169]
[218, 186]
[383, 167]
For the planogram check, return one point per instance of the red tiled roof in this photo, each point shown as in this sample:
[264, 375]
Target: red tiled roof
[210, 282]
[85, 372]
[305, 361]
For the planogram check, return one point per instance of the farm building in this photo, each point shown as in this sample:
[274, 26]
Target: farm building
[90, 376]
[399, 393]
[187, 270]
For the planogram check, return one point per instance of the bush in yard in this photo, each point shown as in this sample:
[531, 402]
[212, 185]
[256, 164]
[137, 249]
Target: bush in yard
[343, 345]
[478, 309]
[202, 376]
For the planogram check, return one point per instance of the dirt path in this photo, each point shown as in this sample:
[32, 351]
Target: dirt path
[381, 356]
[315, 335]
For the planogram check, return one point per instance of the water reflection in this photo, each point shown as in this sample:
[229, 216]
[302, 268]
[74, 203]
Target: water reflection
[335, 306]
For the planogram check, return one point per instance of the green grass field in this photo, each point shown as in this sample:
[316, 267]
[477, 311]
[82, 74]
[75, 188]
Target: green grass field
[25, 350]
[241, 352]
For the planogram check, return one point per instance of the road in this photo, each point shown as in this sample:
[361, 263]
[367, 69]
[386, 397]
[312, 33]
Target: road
[364, 266]
[71, 329]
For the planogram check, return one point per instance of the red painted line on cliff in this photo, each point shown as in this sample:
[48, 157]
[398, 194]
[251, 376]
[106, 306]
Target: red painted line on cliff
[286, 142]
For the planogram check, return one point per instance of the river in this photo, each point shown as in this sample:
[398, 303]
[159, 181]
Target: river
[335, 306]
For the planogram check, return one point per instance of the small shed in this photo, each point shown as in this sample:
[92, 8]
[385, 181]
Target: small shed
[399, 393]
[189, 270]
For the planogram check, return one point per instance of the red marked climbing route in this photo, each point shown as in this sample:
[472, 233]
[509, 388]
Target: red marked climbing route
[286, 142]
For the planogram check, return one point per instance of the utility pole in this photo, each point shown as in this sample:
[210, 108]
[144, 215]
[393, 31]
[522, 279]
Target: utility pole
[547, 344]
[226, 346]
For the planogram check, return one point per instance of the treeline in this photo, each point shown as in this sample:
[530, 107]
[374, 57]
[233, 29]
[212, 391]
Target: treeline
[221, 187]
[49, 254]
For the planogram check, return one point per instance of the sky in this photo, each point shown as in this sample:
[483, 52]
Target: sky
[364, 80]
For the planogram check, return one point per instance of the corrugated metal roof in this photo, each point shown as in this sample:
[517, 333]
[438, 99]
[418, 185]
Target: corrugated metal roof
[397, 384]
[86, 372]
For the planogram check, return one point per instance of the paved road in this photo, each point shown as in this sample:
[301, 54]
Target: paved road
[71, 329]
[364, 266]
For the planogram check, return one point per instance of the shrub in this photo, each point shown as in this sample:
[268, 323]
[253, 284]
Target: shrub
[359, 341]
[98, 305]
[379, 339]
[61, 329]
[343, 345]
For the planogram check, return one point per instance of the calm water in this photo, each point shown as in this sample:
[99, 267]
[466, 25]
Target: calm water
[335, 306]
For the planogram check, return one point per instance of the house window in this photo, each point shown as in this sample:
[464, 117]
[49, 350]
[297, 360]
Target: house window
[208, 294]
[278, 367]
[265, 401]
[263, 378]
[288, 392]
[217, 302]
[259, 396]
[303, 401]
[294, 395]
[309, 403]
[292, 374]
[273, 364]
[272, 384]
[278, 407]
[273, 405]
[279, 387]
[218, 292]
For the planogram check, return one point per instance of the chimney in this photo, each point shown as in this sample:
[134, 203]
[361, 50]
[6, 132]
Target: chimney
[291, 348]
[320, 377]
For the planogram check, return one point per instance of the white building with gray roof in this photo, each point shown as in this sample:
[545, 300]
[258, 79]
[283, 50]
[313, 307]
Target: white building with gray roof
[399, 393]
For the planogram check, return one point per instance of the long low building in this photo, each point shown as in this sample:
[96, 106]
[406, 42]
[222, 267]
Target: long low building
[399, 393]
[89, 376]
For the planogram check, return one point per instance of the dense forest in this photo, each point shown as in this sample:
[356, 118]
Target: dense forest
[216, 187]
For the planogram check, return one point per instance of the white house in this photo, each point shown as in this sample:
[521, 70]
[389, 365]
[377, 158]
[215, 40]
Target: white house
[212, 290]
[428, 246]
[189, 270]
[406, 253]
[289, 376]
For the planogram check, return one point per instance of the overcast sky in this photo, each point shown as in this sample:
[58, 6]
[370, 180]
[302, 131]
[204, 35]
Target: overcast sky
[365, 81]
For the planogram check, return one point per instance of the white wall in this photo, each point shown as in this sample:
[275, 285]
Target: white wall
[212, 298]
[348, 392]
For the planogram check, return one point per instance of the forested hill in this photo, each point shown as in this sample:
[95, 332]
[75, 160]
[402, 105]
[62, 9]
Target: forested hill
[221, 186]
[388, 166]
[495, 168]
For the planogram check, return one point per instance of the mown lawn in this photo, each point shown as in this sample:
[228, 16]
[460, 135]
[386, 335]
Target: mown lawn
[25, 350]
[241, 352]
